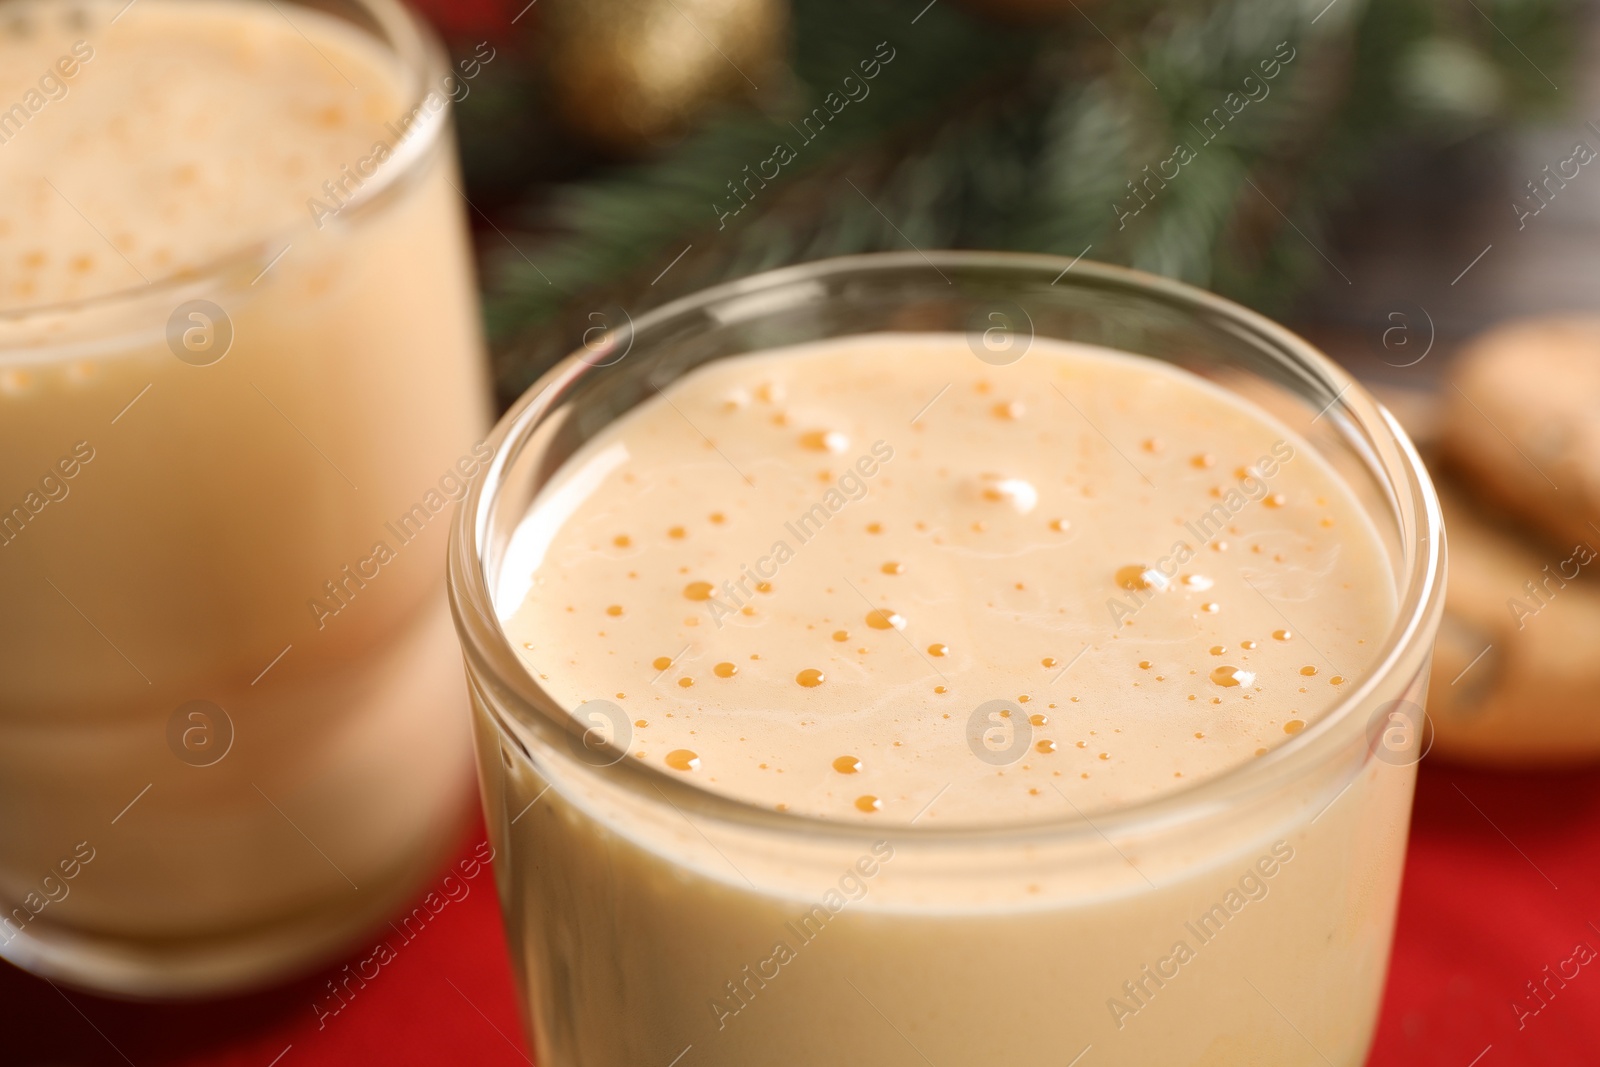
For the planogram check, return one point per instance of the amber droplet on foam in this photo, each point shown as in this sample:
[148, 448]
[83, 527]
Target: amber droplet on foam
[698, 590]
[725, 670]
[1308, 670]
[661, 663]
[1228, 677]
[1045, 745]
[1039, 719]
[824, 441]
[847, 765]
[1060, 525]
[1294, 726]
[1275, 500]
[1138, 576]
[884, 619]
[1010, 410]
[893, 568]
[810, 678]
[841, 635]
[1049, 661]
[614, 610]
[937, 649]
[683, 759]
[677, 533]
[622, 540]
[685, 682]
[868, 804]
[1282, 635]
[1020, 494]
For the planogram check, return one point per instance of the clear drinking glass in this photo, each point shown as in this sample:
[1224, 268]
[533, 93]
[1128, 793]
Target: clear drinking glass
[205, 781]
[645, 914]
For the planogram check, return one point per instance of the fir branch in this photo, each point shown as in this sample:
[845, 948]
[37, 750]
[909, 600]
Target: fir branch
[980, 136]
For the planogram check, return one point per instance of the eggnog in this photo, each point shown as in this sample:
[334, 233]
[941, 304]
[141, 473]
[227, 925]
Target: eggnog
[231, 427]
[923, 611]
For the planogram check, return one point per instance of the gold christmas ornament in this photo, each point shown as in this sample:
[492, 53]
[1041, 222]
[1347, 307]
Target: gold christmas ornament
[629, 74]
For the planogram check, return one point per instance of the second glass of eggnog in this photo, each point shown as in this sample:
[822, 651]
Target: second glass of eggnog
[241, 383]
[962, 659]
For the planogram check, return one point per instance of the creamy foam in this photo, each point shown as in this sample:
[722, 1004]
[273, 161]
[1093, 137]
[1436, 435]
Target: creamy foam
[804, 576]
[138, 146]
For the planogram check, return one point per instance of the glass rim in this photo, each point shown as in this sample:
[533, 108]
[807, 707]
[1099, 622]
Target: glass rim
[422, 57]
[490, 655]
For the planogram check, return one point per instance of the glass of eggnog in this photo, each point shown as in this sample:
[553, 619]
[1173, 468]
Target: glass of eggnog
[241, 382]
[960, 658]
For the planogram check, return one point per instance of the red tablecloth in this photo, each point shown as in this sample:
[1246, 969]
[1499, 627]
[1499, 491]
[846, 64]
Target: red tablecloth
[1501, 881]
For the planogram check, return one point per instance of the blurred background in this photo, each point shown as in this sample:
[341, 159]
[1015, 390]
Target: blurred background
[1391, 178]
[1327, 163]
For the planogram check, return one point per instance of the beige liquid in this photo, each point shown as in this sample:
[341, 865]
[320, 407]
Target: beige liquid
[1160, 583]
[207, 506]
[997, 549]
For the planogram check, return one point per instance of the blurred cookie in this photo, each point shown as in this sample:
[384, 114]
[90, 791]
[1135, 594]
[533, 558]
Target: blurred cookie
[1516, 677]
[1522, 423]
